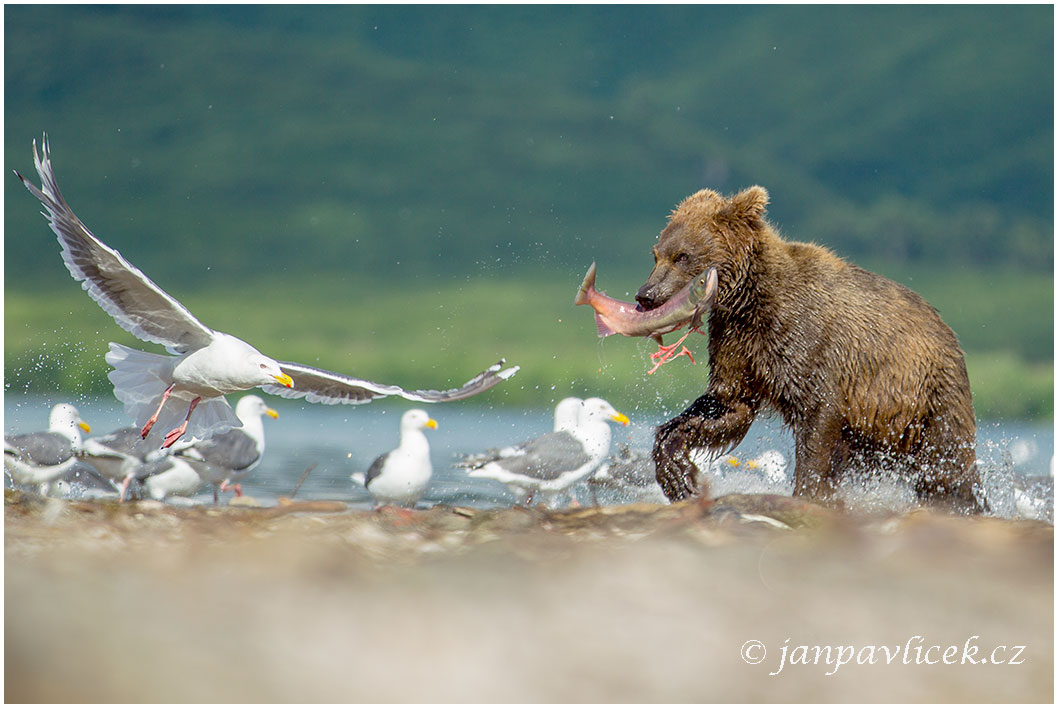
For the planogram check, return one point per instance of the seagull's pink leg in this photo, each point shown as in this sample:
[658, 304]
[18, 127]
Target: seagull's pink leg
[153, 419]
[665, 353]
[174, 435]
[125, 487]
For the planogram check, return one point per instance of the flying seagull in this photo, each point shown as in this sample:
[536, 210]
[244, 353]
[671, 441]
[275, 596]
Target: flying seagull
[203, 364]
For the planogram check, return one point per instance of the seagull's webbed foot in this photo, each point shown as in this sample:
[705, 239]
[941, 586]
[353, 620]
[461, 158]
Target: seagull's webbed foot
[665, 352]
[237, 487]
[174, 435]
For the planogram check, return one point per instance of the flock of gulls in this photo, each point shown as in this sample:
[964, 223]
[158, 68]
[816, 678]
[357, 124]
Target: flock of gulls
[185, 435]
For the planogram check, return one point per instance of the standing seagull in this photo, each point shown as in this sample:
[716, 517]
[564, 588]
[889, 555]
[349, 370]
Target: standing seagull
[556, 460]
[40, 458]
[567, 416]
[205, 364]
[227, 458]
[400, 476]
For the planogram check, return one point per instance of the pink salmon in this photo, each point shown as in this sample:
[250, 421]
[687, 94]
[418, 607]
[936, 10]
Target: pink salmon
[614, 316]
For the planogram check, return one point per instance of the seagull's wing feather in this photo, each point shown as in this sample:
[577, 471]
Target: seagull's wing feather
[376, 468]
[547, 457]
[44, 448]
[121, 289]
[234, 450]
[320, 386]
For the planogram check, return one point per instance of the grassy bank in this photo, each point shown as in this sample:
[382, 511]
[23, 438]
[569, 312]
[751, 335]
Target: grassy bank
[435, 333]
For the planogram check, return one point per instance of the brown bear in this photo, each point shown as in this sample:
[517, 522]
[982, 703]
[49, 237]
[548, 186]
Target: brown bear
[861, 369]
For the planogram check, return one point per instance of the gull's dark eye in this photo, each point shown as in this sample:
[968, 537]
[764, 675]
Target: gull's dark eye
[264, 366]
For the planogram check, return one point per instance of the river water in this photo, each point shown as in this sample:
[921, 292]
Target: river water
[340, 440]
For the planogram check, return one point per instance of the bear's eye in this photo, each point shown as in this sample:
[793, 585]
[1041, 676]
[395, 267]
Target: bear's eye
[681, 258]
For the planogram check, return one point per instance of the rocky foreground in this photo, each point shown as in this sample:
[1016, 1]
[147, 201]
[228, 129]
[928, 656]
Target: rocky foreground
[744, 598]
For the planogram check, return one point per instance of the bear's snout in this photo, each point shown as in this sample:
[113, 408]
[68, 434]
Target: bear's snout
[663, 283]
[647, 297]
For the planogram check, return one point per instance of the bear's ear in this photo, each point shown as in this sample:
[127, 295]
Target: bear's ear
[699, 201]
[747, 207]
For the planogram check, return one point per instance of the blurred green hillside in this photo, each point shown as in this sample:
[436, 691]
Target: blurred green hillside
[346, 163]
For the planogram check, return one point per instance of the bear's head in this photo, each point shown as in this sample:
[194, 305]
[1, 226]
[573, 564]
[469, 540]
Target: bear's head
[706, 229]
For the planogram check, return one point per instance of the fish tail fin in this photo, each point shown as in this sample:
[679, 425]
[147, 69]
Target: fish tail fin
[587, 287]
[602, 328]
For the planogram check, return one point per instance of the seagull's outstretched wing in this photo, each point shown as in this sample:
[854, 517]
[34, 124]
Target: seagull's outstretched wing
[121, 289]
[319, 386]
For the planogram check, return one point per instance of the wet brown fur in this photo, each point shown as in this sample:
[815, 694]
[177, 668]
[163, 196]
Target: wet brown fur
[861, 369]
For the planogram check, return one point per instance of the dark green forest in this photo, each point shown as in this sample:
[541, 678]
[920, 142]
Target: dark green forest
[354, 158]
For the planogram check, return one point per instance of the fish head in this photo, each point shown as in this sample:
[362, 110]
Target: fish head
[703, 287]
[702, 293]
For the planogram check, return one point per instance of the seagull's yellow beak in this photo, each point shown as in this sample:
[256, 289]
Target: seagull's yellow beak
[85, 427]
[272, 412]
[431, 424]
[621, 419]
[285, 380]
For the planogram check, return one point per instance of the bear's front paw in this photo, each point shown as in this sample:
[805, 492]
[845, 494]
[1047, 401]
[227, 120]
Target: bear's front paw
[675, 472]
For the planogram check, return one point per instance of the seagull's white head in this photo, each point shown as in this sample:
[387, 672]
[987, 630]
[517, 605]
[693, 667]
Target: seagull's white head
[239, 365]
[66, 420]
[567, 413]
[416, 419]
[271, 373]
[253, 405]
[596, 409]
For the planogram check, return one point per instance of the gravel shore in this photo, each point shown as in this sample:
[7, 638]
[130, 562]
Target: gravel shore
[315, 602]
